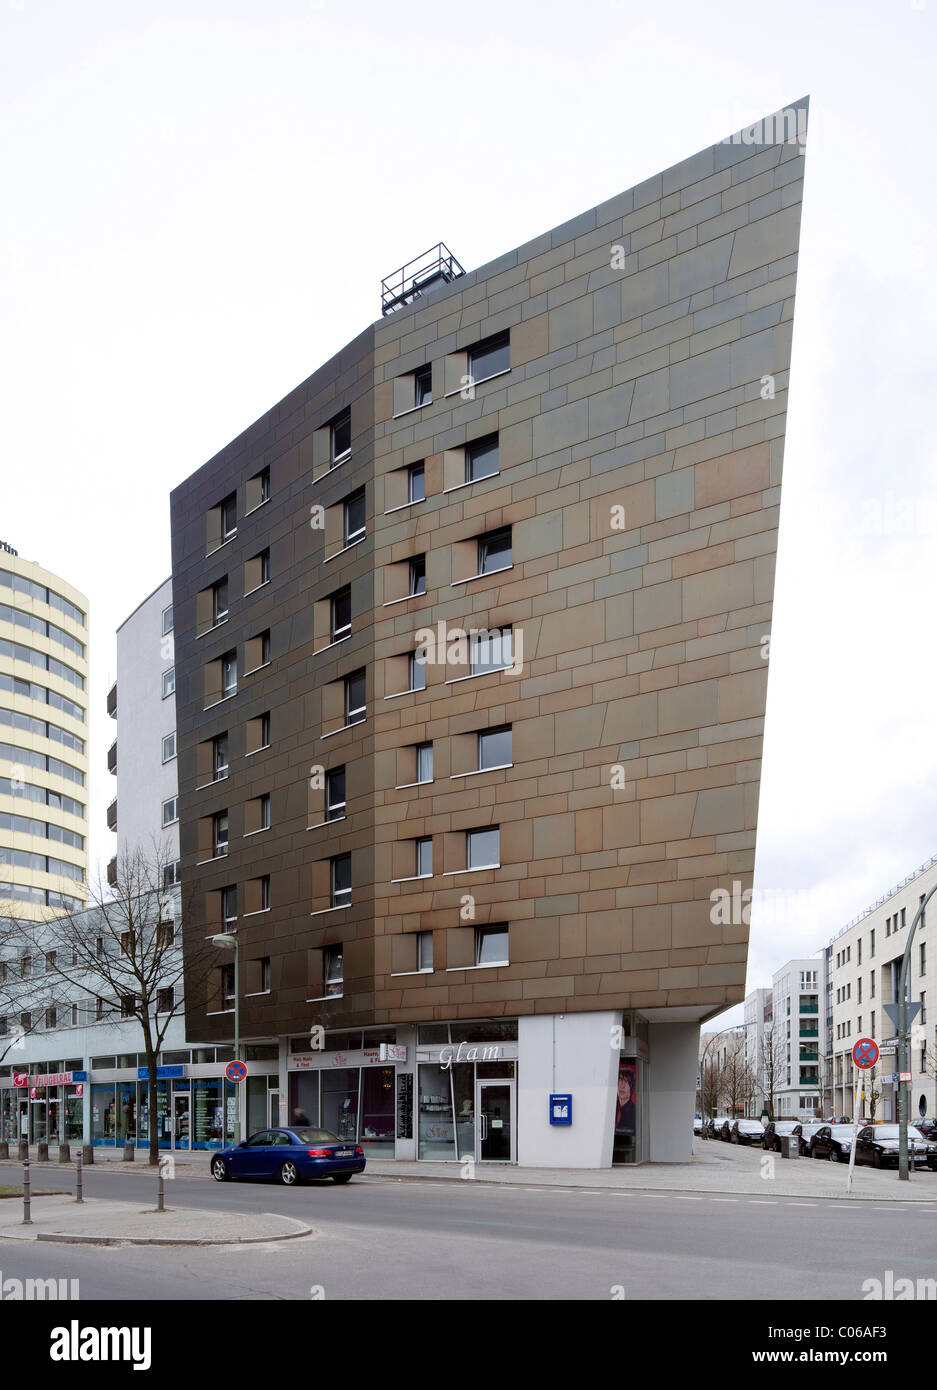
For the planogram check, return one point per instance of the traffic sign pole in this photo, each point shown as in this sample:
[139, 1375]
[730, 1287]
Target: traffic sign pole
[865, 1054]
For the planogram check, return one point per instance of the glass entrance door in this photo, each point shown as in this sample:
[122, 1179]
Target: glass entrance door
[180, 1102]
[494, 1132]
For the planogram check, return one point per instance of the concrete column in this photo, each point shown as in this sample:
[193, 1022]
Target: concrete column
[671, 1079]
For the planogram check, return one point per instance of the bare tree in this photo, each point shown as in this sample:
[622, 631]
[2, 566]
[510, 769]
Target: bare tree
[739, 1081]
[121, 954]
[772, 1057]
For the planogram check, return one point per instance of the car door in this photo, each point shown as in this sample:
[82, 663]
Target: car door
[865, 1151]
[252, 1160]
[822, 1142]
[280, 1145]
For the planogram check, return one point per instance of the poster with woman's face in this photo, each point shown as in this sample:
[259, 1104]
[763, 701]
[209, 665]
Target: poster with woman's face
[627, 1096]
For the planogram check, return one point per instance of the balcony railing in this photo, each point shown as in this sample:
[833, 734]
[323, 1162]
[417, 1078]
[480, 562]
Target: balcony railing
[112, 872]
[435, 266]
[112, 701]
[809, 1032]
[808, 1008]
[112, 758]
[112, 815]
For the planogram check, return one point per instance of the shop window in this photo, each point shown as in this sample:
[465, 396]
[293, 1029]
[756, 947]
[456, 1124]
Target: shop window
[340, 1101]
[378, 1114]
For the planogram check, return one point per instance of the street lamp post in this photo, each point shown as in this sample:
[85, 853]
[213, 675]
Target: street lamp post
[904, 1058]
[228, 942]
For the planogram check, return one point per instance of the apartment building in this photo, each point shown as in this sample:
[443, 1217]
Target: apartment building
[760, 1046]
[866, 959]
[43, 740]
[470, 679]
[798, 1037]
[144, 813]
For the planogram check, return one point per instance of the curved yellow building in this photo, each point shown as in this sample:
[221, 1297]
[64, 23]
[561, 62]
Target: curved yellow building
[43, 741]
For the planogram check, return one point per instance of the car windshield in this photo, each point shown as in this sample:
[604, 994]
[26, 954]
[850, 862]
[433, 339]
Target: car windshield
[785, 1126]
[316, 1136]
[750, 1125]
[891, 1132]
[841, 1131]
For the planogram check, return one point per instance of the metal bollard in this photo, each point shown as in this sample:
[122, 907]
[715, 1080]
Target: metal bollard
[160, 1192]
[65, 1153]
[78, 1196]
[23, 1150]
[27, 1219]
[42, 1152]
[4, 1148]
[128, 1151]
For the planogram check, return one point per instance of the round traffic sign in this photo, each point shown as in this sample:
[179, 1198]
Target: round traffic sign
[865, 1053]
[235, 1071]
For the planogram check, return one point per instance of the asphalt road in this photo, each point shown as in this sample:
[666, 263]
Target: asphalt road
[384, 1238]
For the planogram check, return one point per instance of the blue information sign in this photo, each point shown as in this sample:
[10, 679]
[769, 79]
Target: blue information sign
[162, 1073]
[561, 1110]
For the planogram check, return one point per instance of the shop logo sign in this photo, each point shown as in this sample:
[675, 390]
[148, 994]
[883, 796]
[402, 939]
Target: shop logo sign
[471, 1054]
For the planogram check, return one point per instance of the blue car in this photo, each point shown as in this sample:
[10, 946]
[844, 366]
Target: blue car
[290, 1156]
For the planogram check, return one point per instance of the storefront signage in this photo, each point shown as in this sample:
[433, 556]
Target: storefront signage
[561, 1110]
[53, 1078]
[466, 1052]
[162, 1073]
[392, 1052]
[21, 1078]
[404, 1105]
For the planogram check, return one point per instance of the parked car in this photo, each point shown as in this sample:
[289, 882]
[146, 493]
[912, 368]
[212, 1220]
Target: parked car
[724, 1130]
[698, 1124]
[747, 1132]
[290, 1156]
[928, 1127]
[807, 1131]
[776, 1131]
[831, 1142]
[878, 1145]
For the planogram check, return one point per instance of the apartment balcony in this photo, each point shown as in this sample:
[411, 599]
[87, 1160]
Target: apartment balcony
[112, 701]
[809, 1056]
[112, 815]
[112, 872]
[809, 1080]
[112, 758]
[809, 1032]
[809, 1008]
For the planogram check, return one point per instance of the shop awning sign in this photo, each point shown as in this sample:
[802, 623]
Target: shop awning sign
[54, 1078]
[21, 1078]
[162, 1073]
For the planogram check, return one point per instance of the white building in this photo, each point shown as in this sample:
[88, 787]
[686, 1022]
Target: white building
[799, 1029]
[865, 961]
[758, 1027]
[143, 756]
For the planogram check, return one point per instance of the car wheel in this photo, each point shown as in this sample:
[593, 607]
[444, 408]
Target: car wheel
[341, 1177]
[833, 1156]
[289, 1173]
[219, 1170]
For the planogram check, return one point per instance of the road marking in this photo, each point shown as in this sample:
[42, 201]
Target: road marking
[762, 1202]
[725, 1199]
[678, 1197]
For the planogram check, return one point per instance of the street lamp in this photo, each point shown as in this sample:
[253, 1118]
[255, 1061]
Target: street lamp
[904, 1058]
[228, 942]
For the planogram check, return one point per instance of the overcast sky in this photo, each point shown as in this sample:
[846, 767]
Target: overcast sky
[200, 200]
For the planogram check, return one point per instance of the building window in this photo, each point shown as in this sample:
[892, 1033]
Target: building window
[257, 490]
[489, 358]
[170, 810]
[229, 673]
[50, 962]
[871, 984]
[417, 576]
[265, 974]
[335, 794]
[257, 571]
[483, 849]
[492, 650]
[227, 987]
[423, 386]
[340, 437]
[494, 551]
[169, 747]
[424, 950]
[424, 857]
[354, 516]
[491, 945]
[923, 1017]
[219, 601]
[257, 734]
[50, 1018]
[99, 947]
[416, 482]
[165, 934]
[333, 971]
[494, 748]
[128, 1005]
[482, 459]
[871, 943]
[923, 958]
[265, 811]
[229, 513]
[424, 762]
[169, 682]
[165, 1000]
[219, 757]
[219, 834]
[128, 941]
[257, 651]
[416, 670]
[167, 620]
[355, 707]
[229, 905]
[341, 880]
[341, 614]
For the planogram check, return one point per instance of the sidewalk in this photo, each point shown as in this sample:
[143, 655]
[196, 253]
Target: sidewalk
[99, 1222]
[715, 1169]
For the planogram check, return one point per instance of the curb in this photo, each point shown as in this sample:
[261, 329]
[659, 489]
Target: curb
[64, 1238]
